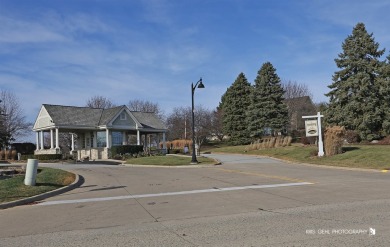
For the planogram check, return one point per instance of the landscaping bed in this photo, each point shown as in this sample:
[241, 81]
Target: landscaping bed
[12, 187]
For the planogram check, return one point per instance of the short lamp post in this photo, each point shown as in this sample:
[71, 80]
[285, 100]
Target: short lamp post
[199, 84]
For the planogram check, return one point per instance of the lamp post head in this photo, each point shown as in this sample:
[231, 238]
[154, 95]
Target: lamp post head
[200, 84]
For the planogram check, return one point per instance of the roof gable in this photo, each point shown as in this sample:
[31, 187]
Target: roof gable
[109, 114]
[128, 119]
[43, 119]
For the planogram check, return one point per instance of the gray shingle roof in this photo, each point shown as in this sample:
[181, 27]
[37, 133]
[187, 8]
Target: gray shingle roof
[149, 120]
[72, 115]
[109, 114]
[94, 117]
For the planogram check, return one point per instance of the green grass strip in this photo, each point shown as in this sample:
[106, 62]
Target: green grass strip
[355, 156]
[168, 160]
[48, 179]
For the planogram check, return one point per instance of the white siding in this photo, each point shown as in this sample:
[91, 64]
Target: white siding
[43, 119]
[128, 122]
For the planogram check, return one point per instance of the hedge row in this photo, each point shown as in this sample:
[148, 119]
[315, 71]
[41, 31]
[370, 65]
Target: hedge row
[126, 149]
[42, 156]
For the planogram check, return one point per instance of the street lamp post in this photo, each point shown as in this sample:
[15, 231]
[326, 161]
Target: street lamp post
[199, 84]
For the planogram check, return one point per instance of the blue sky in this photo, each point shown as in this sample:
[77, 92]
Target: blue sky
[66, 51]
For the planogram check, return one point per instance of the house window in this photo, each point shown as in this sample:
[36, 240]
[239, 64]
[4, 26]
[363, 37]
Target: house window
[116, 138]
[123, 116]
[101, 139]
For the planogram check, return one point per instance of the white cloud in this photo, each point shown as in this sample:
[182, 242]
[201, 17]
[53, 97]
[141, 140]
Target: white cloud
[20, 31]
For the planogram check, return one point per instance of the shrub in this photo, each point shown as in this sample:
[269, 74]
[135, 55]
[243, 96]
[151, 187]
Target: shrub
[176, 151]
[334, 138]
[42, 156]
[24, 148]
[385, 141]
[352, 136]
[13, 155]
[305, 140]
[126, 149]
[270, 142]
[178, 144]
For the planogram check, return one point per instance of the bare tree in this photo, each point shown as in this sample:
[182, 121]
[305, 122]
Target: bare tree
[298, 100]
[217, 123]
[12, 120]
[98, 101]
[146, 106]
[179, 123]
[203, 125]
[293, 89]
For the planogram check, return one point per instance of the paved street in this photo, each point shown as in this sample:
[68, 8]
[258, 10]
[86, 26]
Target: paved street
[246, 201]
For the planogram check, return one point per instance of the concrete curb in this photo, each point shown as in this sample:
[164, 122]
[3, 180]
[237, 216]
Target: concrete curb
[173, 167]
[78, 181]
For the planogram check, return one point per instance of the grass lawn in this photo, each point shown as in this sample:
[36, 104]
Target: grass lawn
[48, 179]
[359, 156]
[169, 160]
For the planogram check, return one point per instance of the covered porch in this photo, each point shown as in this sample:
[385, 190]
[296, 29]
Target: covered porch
[92, 144]
[90, 133]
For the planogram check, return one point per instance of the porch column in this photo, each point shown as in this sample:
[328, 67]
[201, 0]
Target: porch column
[164, 142]
[41, 139]
[138, 138]
[107, 138]
[57, 139]
[72, 142]
[124, 138]
[94, 139]
[51, 139]
[37, 139]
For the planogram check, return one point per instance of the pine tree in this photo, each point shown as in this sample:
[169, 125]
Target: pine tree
[354, 96]
[267, 109]
[235, 104]
[385, 96]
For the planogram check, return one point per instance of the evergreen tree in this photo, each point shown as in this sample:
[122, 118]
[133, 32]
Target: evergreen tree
[235, 104]
[354, 96]
[267, 109]
[385, 96]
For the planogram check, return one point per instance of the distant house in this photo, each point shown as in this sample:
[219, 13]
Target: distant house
[298, 107]
[97, 129]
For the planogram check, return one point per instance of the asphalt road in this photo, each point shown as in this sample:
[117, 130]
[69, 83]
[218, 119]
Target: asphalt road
[246, 201]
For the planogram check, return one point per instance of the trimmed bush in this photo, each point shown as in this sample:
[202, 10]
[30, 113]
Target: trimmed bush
[126, 149]
[175, 151]
[24, 148]
[42, 156]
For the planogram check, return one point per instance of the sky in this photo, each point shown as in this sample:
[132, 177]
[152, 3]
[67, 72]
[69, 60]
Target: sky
[64, 52]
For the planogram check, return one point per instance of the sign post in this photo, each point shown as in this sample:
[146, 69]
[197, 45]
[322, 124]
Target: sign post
[313, 128]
